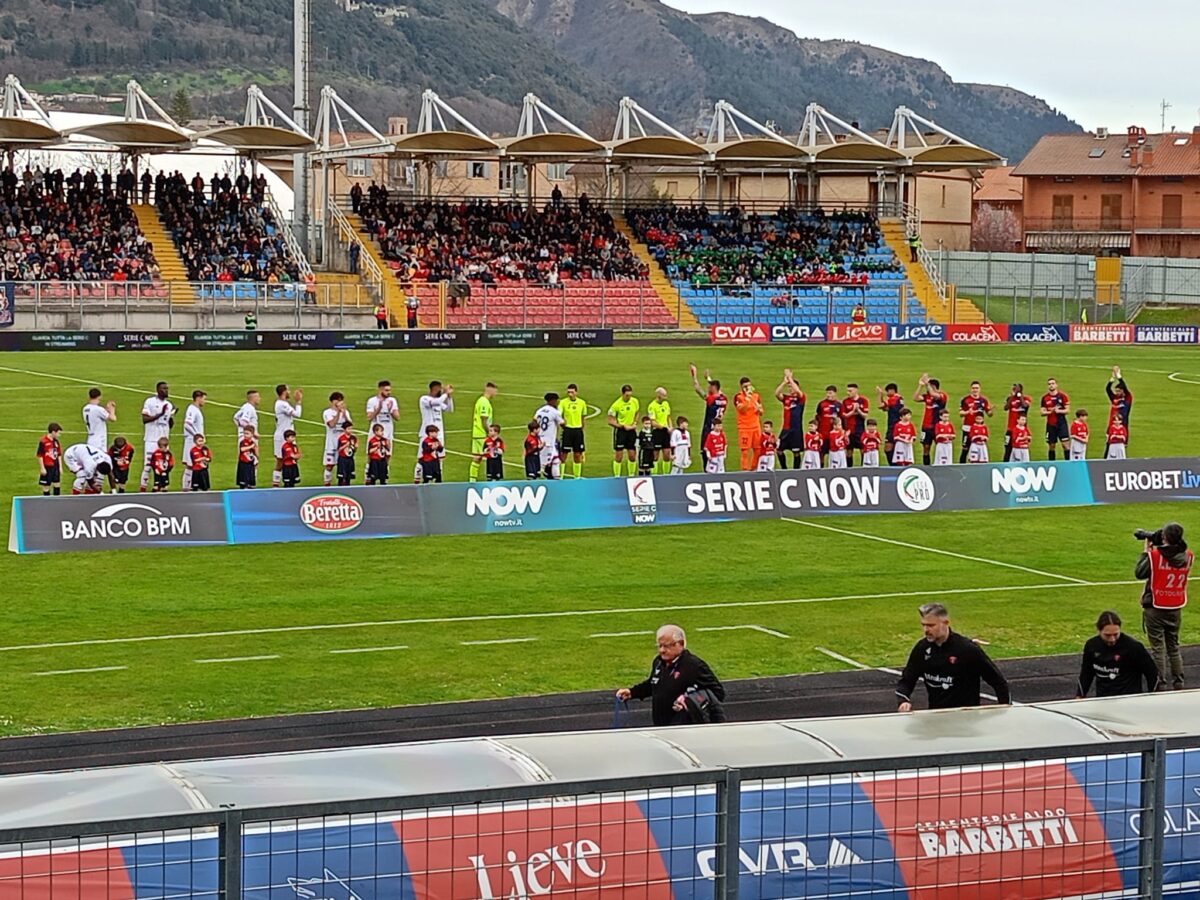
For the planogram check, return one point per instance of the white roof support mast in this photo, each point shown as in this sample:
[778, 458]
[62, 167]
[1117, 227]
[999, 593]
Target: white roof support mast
[819, 123]
[629, 122]
[329, 122]
[258, 107]
[431, 119]
[905, 121]
[18, 104]
[533, 119]
[139, 105]
[724, 126]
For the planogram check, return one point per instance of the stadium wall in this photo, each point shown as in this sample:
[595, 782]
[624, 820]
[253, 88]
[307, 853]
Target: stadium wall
[109, 522]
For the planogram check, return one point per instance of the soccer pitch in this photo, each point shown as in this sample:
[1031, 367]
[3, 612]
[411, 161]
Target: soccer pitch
[137, 637]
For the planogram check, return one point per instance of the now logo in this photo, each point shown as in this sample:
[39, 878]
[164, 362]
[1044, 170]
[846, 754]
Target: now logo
[1022, 480]
[504, 501]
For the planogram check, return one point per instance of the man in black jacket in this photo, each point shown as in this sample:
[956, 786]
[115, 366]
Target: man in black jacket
[951, 664]
[1164, 566]
[681, 687]
[1115, 661]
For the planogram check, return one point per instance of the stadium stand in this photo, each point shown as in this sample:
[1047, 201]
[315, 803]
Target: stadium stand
[230, 236]
[71, 228]
[788, 267]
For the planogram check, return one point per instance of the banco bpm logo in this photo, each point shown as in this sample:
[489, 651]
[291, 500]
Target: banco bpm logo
[126, 520]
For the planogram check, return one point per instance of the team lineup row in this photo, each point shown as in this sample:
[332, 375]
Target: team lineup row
[554, 440]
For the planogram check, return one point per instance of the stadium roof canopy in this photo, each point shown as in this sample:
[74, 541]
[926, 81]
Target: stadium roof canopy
[24, 125]
[908, 135]
[539, 140]
[728, 142]
[1089, 727]
[633, 142]
[826, 138]
[258, 134]
[145, 127]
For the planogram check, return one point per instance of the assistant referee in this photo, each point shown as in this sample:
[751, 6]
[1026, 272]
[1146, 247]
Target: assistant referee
[951, 665]
[574, 411]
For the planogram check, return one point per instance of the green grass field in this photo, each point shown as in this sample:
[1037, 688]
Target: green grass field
[578, 608]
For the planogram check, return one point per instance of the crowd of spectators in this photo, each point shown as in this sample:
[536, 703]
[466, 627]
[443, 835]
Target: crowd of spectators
[223, 228]
[789, 248]
[76, 227]
[487, 241]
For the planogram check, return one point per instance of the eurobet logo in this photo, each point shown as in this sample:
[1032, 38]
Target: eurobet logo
[902, 334]
[915, 489]
[1023, 483]
[741, 334]
[505, 505]
[843, 333]
[643, 504]
[797, 334]
[126, 520]
[331, 513]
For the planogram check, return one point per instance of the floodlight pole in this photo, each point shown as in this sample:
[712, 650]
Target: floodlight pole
[300, 112]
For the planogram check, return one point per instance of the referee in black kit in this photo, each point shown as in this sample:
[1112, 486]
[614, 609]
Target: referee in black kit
[951, 664]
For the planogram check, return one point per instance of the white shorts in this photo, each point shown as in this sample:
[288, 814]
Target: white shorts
[716, 465]
[978, 453]
[96, 441]
[1019, 454]
[943, 454]
[549, 455]
[1116, 451]
[902, 454]
[766, 462]
[870, 459]
[330, 458]
[837, 459]
[1078, 450]
[812, 459]
[680, 461]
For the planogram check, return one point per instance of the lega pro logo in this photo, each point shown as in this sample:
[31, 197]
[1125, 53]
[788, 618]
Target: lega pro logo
[643, 504]
[915, 489]
[126, 520]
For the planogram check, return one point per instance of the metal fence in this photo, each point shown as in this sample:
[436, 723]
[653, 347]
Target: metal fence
[1055, 823]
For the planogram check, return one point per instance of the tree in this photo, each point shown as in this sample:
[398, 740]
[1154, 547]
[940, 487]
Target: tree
[181, 107]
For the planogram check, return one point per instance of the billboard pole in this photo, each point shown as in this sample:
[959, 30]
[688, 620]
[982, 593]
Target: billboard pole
[300, 113]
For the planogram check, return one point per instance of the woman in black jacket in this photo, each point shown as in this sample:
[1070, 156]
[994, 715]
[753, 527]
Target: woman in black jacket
[1115, 661]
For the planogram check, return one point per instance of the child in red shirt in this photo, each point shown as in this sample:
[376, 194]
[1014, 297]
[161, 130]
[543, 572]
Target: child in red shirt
[715, 446]
[977, 436]
[161, 464]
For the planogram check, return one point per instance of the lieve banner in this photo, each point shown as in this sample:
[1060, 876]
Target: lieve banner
[108, 522]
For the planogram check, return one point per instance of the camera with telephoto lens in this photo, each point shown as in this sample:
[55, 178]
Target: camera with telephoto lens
[1154, 537]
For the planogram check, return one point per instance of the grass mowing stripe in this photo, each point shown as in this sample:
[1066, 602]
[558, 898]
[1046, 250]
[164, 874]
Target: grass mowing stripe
[978, 559]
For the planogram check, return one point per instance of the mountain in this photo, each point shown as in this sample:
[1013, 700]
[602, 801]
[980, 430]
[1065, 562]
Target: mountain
[580, 56]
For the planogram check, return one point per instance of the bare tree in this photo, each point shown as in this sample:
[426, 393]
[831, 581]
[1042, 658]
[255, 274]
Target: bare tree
[996, 228]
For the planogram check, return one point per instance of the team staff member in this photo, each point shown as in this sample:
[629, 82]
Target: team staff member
[675, 675]
[481, 420]
[1115, 661]
[749, 408]
[951, 664]
[574, 413]
[715, 404]
[623, 417]
[1055, 406]
[1164, 566]
[1016, 405]
[659, 410]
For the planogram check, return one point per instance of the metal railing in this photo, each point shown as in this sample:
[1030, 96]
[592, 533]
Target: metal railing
[1080, 223]
[347, 234]
[1054, 822]
[289, 237]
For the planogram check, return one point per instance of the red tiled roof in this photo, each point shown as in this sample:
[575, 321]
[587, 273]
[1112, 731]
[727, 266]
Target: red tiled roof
[1000, 186]
[1172, 159]
[1072, 154]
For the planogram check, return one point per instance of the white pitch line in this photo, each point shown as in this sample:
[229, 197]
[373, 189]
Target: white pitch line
[940, 552]
[557, 614]
[524, 640]
[1174, 376]
[759, 628]
[612, 634]
[80, 671]
[371, 649]
[231, 659]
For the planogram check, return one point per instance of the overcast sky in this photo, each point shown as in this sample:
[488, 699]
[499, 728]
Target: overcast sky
[1110, 66]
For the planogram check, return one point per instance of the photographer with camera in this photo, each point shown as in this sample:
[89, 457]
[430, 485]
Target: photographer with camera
[1164, 566]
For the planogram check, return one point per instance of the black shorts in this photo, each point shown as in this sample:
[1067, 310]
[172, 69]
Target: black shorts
[572, 440]
[791, 439]
[927, 436]
[495, 468]
[662, 438]
[345, 468]
[855, 440]
[533, 465]
[162, 479]
[624, 439]
[377, 471]
[200, 480]
[53, 476]
[247, 474]
[120, 476]
[1060, 433]
[290, 475]
[431, 470]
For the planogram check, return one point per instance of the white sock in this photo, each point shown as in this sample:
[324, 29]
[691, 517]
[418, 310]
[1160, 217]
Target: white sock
[277, 477]
[187, 479]
[328, 478]
[145, 477]
[418, 475]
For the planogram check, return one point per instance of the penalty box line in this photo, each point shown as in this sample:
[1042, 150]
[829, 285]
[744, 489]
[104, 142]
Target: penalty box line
[940, 552]
[555, 614]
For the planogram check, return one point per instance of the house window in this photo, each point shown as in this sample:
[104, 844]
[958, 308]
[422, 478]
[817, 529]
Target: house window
[943, 196]
[358, 167]
[1063, 210]
[1114, 179]
[512, 178]
[556, 172]
[1172, 179]
[672, 188]
[1110, 211]
[1064, 179]
[478, 169]
[441, 168]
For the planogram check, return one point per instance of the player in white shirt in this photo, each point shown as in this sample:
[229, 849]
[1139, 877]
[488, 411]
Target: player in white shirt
[285, 420]
[334, 417]
[96, 419]
[382, 409]
[681, 447]
[193, 424]
[88, 465]
[433, 406]
[158, 416]
[549, 419]
[247, 414]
